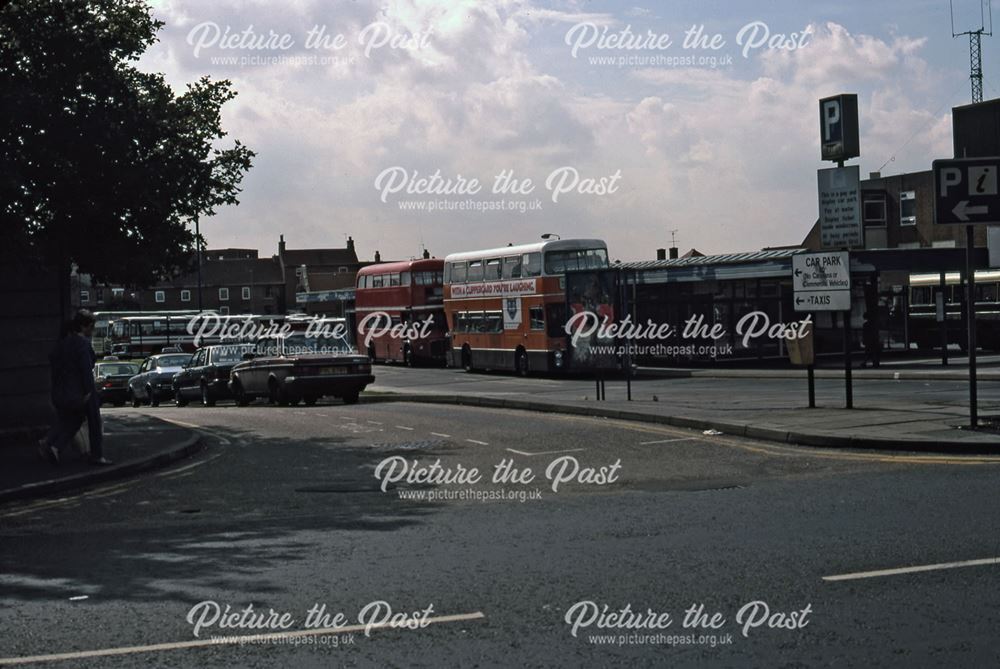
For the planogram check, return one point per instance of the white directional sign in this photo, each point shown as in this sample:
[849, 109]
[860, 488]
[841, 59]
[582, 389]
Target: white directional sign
[966, 191]
[822, 281]
[840, 207]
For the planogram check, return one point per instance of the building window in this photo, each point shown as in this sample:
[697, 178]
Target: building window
[185, 296]
[267, 291]
[117, 293]
[160, 296]
[224, 310]
[246, 292]
[84, 296]
[223, 294]
[342, 270]
[908, 208]
[874, 210]
[100, 295]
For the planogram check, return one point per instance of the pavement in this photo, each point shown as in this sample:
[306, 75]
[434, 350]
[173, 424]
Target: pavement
[134, 443]
[891, 414]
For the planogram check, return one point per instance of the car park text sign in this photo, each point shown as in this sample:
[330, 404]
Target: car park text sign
[965, 191]
[840, 207]
[822, 281]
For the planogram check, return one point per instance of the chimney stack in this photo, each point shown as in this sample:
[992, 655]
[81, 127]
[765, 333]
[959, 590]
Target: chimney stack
[673, 253]
[281, 245]
[350, 244]
[427, 254]
[378, 257]
[661, 254]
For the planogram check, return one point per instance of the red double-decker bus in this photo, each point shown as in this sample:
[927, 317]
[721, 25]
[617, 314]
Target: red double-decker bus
[507, 307]
[399, 311]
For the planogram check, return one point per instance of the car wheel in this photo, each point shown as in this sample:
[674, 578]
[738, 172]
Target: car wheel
[153, 400]
[310, 400]
[276, 393]
[241, 396]
[351, 398]
[206, 396]
[134, 400]
[179, 398]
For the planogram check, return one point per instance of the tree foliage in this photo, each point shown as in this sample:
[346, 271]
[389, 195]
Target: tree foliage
[102, 164]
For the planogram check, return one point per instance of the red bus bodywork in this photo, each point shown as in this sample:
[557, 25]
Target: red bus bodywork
[396, 300]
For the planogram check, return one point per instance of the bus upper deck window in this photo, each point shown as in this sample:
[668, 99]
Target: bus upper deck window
[404, 278]
[531, 264]
[512, 267]
[492, 269]
[459, 272]
[476, 270]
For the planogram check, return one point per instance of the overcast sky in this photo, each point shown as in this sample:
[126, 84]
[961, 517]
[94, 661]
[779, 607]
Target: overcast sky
[625, 132]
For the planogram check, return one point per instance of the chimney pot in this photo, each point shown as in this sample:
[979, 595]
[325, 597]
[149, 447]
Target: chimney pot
[661, 254]
[673, 253]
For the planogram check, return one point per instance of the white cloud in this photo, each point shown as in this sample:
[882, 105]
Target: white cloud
[728, 157]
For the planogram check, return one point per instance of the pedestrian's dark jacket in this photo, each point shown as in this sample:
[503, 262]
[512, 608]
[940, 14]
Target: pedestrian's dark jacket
[72, 364]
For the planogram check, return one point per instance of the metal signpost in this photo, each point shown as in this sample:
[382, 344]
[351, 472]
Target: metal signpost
[840, 225]
[822, 282]
[966, 193]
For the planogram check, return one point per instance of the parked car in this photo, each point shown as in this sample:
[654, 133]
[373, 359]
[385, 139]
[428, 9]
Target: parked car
[294, 367]
[206, 377]
[155, 380]
[111, 379]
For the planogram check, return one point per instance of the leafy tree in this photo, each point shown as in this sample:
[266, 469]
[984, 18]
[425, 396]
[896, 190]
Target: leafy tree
[100, 164]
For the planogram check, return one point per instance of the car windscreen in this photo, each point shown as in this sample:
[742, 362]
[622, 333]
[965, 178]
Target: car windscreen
[173, 360]
[229, 354]
[113, 370]
[303, 345]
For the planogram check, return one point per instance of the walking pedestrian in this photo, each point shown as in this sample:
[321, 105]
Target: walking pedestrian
[74, 395]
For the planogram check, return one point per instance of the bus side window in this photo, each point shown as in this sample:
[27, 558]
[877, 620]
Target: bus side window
[404, 278]
[537, 316]
[377, 281]
[531, 264]
[492, 269]
[476, 270]
[361, 281]
[512, 267]
[459, 272]
[394, 279]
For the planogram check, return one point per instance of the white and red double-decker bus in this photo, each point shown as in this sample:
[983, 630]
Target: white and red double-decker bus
[507, 307]
[399, 311]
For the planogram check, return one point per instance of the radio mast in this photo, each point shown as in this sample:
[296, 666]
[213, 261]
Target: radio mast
[975, 44]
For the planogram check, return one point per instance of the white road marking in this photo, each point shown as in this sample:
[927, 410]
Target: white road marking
[322, 415]
[373, 422]
[666, 441]
[912, 570]
[220, 641]
[441, 434]
[476, 441]
[403, 427]
[568, 450]
[180, 422]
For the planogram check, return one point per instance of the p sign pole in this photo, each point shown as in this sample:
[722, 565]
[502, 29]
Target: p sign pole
[966, 193]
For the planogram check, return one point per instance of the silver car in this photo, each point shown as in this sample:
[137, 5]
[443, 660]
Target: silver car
[155, 380]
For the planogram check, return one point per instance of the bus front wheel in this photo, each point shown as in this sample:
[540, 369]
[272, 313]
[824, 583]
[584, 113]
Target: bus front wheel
[521, 362]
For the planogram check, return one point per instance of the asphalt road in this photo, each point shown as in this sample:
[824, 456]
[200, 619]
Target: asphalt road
[283, 511]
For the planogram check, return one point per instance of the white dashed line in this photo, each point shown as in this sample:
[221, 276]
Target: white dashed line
[476, 441]
[403, 427]
[373, 422]
[228, 640]
[666, 441]
[569, 450]
[440, 434]
[912, 570]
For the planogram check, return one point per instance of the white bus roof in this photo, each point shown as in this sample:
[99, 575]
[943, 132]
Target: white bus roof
[952, 278]
[550, 245]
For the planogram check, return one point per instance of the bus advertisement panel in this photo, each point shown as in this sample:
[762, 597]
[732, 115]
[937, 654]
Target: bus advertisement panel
[507, 307]
[401, 297]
